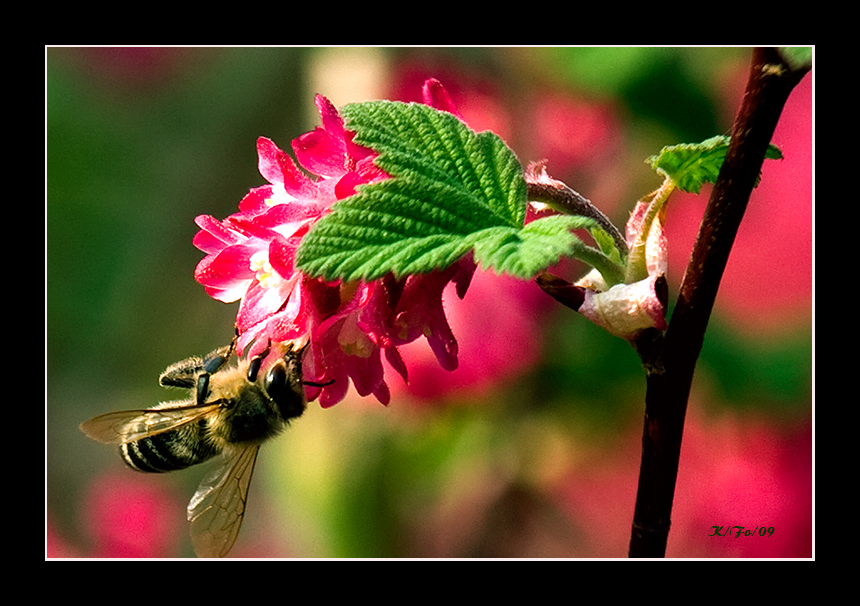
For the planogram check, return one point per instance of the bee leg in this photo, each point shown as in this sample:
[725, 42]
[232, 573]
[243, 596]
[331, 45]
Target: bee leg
[212, 363]
[293, 359]
[182, 374]
[193, 372]
[216, 359]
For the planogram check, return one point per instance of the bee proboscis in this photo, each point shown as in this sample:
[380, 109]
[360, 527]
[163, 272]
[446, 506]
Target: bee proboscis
[232, 411]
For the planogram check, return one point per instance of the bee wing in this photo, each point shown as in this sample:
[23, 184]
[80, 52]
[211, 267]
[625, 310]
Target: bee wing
[131, 425]
[218, 506]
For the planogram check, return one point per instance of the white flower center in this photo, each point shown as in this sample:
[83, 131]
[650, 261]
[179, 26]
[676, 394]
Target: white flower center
[279, 196]
[265, 273]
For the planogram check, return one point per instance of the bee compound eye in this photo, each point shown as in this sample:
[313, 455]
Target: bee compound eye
[276, 382]
[290, 403]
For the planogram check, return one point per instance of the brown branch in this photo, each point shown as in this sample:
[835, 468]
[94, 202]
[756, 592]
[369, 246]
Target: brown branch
[670, 361]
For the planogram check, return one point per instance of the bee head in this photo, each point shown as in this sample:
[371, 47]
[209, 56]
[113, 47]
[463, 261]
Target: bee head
[285, 391]
[283, 385]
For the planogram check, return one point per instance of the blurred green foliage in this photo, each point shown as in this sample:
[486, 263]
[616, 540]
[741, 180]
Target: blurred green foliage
[667, 86]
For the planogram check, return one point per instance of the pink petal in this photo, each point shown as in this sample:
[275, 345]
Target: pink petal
[443, 344]
[331, 119]
[366, 373]
[254, 202]
[259, 303]
[335, 392]
[463, 276]
[279, 169]
[213, 236]
[382, 393]
[320, 153]
[323, 150]
[281, 219]
[227, 267]
[207, 242]
[281, 255]
[248, 335]
[392, 355]
[436, 96]
[228, 295]
[288, 324]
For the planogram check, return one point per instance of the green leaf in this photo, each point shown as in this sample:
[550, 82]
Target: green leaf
[690, 165]
[797, 57]
[452, 191]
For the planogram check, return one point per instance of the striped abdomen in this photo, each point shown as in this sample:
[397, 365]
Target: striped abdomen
[171, 450]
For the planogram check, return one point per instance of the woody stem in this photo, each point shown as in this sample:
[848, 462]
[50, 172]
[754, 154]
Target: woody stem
[670, 361]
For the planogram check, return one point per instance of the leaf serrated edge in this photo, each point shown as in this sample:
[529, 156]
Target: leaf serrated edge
[492, 171]
[700, 153]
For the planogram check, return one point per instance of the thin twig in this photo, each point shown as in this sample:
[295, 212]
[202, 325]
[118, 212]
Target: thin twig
[542, 188]
[670, 361]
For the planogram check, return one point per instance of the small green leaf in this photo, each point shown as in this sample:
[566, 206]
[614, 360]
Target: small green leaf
[690, 165]
[797, 57]
[452, 190]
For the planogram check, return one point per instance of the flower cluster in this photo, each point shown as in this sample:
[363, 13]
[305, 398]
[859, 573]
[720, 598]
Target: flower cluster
[346, 326]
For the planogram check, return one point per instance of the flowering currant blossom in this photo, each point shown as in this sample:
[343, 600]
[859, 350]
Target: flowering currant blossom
[347, 326]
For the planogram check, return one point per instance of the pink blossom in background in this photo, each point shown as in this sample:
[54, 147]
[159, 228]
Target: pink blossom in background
[739, 470]
[478, 99]
[571, 132]
[56, 545]
[767, 286]
[735, 470]
[498, 327]
[129, 515]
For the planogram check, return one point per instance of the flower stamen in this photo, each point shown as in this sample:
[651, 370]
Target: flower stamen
[266, 275]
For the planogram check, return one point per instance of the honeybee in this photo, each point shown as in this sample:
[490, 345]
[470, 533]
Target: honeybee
[232, 411]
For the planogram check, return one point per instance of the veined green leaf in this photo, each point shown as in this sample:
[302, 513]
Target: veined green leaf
[452, 190]
[690, 165]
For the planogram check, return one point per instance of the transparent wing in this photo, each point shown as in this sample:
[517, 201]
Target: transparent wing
[131, 425]
[218, 506]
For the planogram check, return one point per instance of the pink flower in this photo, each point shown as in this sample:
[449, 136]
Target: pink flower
[347, 326]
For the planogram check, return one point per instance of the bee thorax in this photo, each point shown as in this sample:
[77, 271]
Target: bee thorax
[250, 418]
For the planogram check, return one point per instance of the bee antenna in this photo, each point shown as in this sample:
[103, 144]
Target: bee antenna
[315, 384]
